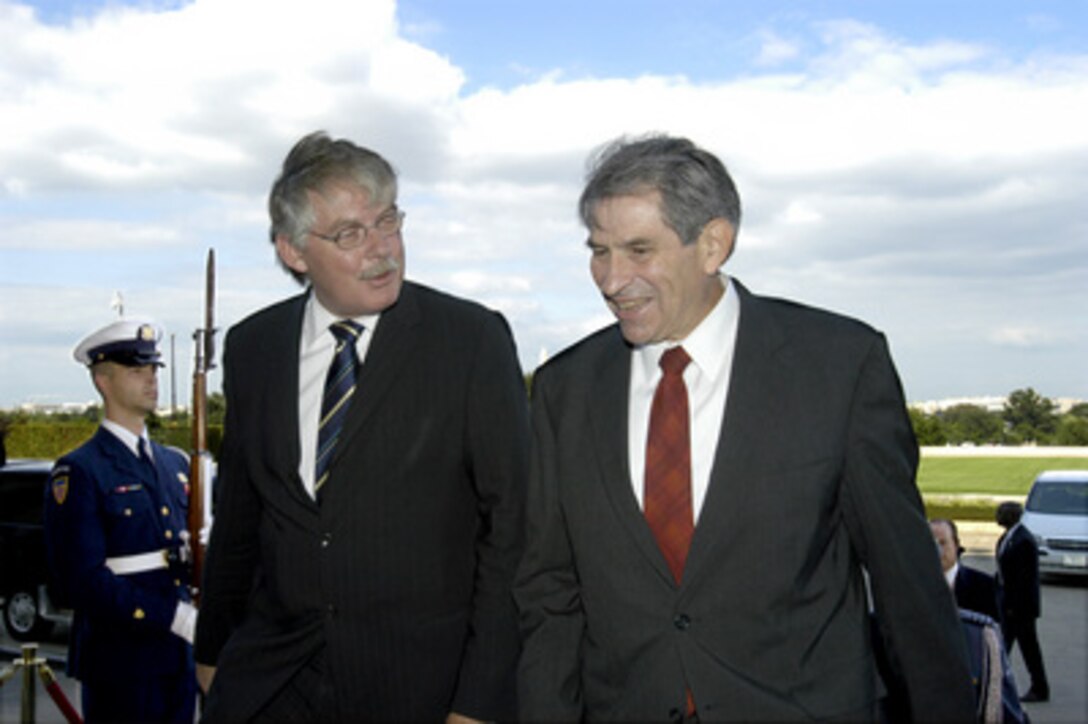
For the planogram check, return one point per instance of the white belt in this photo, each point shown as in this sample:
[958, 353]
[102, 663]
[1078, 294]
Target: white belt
[139, 563]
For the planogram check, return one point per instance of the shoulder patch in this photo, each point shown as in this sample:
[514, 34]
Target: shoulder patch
[59, 484]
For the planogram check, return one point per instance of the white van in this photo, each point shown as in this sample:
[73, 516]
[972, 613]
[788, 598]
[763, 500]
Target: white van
[1056, 512]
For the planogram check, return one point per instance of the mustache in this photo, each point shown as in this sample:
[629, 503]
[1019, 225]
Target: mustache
[382, 266]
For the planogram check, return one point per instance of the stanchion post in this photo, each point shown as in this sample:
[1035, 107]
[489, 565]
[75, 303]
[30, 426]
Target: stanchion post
[29, 664]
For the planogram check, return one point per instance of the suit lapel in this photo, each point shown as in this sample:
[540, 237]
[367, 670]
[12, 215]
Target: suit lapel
[395, 341]
[121, 459]
[120, 456]
[609, 423]
[281, 352]
[749, 402]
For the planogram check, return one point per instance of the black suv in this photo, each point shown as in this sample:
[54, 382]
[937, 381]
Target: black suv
[28, 612]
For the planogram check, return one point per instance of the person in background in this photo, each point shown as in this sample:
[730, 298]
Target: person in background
[974, 590]
[370, 509]
[708, 479]
[976, 596]
[1018, 574]
[116, 510]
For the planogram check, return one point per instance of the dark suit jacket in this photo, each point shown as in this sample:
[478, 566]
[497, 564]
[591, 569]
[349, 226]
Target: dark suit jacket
[813, 477]
[403, 573]
[1018, 565]
[976, 591]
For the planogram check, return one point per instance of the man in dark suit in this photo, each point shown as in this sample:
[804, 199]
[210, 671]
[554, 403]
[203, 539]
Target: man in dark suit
[974, 589]
[697, 535]
[1018, 568]
[115, 512]
[367, 575]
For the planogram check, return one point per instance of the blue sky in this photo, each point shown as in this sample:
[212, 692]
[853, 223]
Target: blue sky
[505, 43]
[919, 165]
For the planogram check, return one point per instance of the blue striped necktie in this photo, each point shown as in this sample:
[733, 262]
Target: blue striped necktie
[339, 389]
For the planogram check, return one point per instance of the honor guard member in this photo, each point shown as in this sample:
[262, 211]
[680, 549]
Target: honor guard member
[115, 513]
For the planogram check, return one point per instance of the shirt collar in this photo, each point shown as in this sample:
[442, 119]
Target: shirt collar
[126, 436]
[316, 320]
[704, 343]
[950, 574]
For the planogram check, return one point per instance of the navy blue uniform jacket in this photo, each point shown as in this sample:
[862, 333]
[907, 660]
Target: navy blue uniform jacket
[103, 502]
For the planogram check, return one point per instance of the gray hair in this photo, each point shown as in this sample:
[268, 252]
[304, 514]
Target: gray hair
[694, 185]
[315, 161]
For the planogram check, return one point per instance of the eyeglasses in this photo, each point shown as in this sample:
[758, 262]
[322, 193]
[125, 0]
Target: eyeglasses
[354, 236]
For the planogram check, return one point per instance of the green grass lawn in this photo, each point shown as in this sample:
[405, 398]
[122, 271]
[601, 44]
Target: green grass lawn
[987, 475]
[940, 477]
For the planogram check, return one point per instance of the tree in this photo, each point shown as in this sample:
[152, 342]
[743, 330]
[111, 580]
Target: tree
[1072, 430]
[927, 428]
[1030, 416]
[971, 424]
[5, 424]
[217, 408]
[1079, 410]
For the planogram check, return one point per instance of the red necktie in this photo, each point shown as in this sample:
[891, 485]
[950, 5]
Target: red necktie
[667, 495]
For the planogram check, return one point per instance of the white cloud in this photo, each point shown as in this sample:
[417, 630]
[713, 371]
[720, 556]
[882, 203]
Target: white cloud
[933, 189]
[775, 50]
[1022, 337]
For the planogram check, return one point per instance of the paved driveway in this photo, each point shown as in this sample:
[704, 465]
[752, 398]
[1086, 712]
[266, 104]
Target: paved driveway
[1063, 634]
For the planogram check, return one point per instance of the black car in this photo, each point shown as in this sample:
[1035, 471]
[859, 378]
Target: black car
[29, 614]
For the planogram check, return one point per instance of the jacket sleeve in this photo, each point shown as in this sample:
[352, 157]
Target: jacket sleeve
[888, 527]
[497, 441]
[547, 592]
[231, 561]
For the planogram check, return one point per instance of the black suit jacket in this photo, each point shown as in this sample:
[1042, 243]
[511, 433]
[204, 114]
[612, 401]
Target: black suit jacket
[813, 477]
[1018, 565]
[976, 591]
[403, 573]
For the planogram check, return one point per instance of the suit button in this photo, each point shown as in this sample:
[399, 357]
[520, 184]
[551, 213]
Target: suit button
[682, 622]
[330, 610]
[326, 539]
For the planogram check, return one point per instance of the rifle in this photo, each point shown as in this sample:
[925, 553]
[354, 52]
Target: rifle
[201, 464]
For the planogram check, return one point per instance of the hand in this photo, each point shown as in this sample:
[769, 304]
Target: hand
[184, 623]
[455, 718]
[204, 676]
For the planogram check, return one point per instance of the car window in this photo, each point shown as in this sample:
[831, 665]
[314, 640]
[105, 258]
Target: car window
[1059, 498]
[21, 496]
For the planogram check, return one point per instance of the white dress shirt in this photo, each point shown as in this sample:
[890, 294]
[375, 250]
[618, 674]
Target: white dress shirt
[950, 575]
[710, 346]
[317, 346]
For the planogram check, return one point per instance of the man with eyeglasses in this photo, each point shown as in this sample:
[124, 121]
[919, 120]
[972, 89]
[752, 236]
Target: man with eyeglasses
[370, 504]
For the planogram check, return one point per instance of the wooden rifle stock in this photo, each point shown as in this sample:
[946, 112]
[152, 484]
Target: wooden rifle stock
[200, 461]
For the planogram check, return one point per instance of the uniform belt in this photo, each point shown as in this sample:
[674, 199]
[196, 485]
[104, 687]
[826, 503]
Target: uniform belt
[139, 563]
